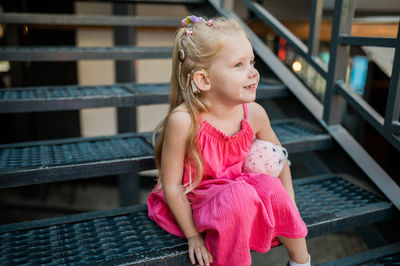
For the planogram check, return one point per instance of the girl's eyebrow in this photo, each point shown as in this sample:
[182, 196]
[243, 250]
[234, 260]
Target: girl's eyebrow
[243, 58]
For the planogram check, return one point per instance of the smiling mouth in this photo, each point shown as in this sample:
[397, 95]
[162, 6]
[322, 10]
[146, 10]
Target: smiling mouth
[251, 86]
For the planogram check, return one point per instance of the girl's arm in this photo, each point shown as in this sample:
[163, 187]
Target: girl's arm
[172, 165]
[263, 130]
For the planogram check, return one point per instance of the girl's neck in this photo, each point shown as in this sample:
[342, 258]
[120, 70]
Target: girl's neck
[225, 112]
[224, 119]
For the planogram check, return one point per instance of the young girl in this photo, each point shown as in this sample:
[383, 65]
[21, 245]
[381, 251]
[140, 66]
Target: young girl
[203, 194]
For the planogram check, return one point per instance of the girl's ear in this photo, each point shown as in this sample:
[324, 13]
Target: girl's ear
[201, 80]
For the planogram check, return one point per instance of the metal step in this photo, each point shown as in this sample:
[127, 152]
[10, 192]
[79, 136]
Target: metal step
[332, 202]
[165, 2]
[127, 236]
[61, 53]
[56, 98]
[87, 20]
[384, 256]
[69, 159]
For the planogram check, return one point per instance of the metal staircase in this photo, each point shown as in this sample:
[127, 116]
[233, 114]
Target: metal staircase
[328, 203]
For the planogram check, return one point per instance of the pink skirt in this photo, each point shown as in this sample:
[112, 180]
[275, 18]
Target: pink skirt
[236, 216]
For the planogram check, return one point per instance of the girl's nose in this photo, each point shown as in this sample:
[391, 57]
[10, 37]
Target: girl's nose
[253, 72]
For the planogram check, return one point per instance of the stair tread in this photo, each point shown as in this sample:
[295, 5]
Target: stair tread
[131, 237]
[386, 255]
[68, 53]
[73, 97]
[67, 159]
[91, 20]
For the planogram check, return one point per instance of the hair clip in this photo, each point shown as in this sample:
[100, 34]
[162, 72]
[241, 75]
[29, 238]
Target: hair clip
[189, 21]
[183, 23]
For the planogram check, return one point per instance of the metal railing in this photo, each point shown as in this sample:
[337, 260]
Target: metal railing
[329, 113]
[335, 74]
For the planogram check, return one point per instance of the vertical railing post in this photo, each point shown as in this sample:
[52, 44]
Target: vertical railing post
[339, 55]
[393, 101]
[315, 27]
[129, 183]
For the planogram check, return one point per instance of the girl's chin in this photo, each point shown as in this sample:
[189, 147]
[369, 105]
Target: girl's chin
[250, 99]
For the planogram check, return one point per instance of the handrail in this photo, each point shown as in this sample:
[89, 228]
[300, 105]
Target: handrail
[368, 41]
[292, 40]
[341, 41]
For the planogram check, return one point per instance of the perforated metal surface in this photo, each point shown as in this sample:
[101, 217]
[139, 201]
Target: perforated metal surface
[330, 196]
[330, 204]
[98, 20]
[66, 53]
[81, 151]
[46, 161]
[62, 92]
[74, 152]
[292, 130]
[115, 236]
[32, 93]
[35, 99]
[99, 239]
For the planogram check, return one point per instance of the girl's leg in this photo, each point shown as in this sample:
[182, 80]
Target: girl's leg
[296, 248]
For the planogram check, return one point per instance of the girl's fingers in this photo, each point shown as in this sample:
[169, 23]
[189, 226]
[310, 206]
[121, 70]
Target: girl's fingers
[199, 256]
[210, 257]
[191, 255]
[205, 256]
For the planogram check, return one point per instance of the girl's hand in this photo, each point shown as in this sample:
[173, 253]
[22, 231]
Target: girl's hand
[198, 247]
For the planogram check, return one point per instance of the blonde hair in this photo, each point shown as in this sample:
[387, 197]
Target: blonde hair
[192, 51]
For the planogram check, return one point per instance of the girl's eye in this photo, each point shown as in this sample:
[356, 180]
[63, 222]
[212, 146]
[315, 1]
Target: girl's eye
[252, 62]
[238, 65]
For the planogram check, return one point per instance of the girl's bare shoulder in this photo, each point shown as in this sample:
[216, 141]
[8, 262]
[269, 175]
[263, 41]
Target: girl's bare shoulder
[256, 112]
[258, 119]
[179, 120]
[181, 108]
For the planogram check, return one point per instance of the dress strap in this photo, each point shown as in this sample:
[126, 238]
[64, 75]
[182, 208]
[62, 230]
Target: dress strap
[245, 111]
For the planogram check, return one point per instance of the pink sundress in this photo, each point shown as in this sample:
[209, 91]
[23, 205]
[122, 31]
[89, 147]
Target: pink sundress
[237, 211]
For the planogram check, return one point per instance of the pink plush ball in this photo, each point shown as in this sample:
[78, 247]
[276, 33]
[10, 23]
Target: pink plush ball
[265, 157]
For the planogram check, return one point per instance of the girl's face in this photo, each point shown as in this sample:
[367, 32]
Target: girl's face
[232, 74]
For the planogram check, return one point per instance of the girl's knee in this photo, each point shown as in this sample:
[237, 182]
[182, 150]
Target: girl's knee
[242, 201]
[246, 194]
